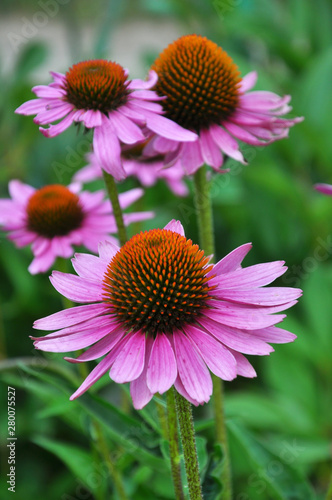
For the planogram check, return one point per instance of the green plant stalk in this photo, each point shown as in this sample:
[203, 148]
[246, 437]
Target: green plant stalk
[329, 491]
[204, 215]
[187, 431]
[173, 440]
[117, 212]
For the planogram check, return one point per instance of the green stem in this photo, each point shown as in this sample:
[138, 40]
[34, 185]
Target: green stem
[184, 413]
[103, 450]
[206, 235]
[173, 440]
[329, 491]
[117, 211]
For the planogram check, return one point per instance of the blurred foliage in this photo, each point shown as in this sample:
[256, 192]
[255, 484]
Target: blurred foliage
[280, 423]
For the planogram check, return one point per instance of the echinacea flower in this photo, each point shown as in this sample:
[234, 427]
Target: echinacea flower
[206, 94]
[324, 188]
[54, 218]
[148, 170]
[162, 315]
[99, 94]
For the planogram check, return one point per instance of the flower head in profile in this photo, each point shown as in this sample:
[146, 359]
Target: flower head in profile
[324, 188]
[160, 315]
[147, 169]
[206, 94]
[54, 218]
[99, 94]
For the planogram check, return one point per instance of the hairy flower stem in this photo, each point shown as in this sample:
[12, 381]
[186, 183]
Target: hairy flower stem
[206, 235]
[173, 440]
[117, 212]
[185, 418]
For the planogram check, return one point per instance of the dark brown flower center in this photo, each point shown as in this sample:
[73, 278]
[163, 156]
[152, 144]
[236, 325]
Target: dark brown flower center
[157, 281]
[200, 81]
[98, 85]
[54, 211]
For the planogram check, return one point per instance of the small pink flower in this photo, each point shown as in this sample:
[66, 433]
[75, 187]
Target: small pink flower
[324, 188]
[148, 170]
[55, 217]
[99, 94]
[205, 94]
[162, 315]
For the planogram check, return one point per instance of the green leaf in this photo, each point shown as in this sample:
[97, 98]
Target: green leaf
[275, 475]
[78, 461]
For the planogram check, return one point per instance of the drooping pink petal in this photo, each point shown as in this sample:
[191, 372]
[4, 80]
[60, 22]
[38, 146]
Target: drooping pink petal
[220, 361]
[95, 375]
[108, 151]
[167, 128]
[101, 347]
[274, 334]
[244, 368]
[181, 390]
[130, 361]
[210, 151]
[60, 127]
[192, 370]
[139, 391]
[248, 81]
[47, 92]
[125, 129]
[191, 157]
[32, 107]
[49, 115]
[162, 369]
[226, 143]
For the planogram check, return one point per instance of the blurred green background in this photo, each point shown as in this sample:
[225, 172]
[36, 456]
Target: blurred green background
[280, 423]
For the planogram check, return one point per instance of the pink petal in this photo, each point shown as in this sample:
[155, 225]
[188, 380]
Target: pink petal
[57, 129]
[167, 128]
[210, 151]
[263, 100]
[181, 390]
[175, 226]
[92, 118]
[69, 317]
[144, 84]
[75, 341]
[324, 188]
[130, 362]
[244, 368]
[162, 369]
[236, 339]
[244, 317]
[101, 347]
[47, 92]
[191, 157]
[20, 192]
[242, 134]
[108, 151]
[216, 356]
[232, 261]
[95, 375]
[139, 390]
[50, 115]
[32, 107]
[89, 266]
[251, 277]
[248, 81]
[226, 143]
[76, 288]
[263, 296]
[42, 263]
[107, 250]
[129, 197]
[125, 129]
[192, 370]
[274, 335]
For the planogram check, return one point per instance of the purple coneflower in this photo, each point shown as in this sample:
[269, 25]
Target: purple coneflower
[162, 315]
[206, 94]
[99, 94]
[54, 218]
